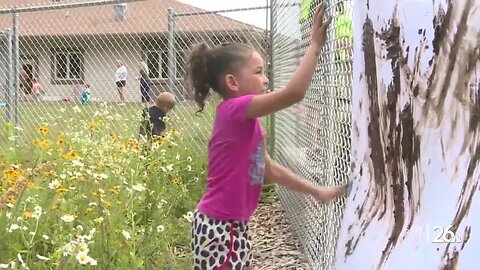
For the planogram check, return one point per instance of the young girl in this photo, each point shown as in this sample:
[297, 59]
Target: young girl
[37, 90]
[237, 160]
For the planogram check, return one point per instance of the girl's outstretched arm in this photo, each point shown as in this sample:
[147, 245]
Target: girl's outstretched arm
[300, 81]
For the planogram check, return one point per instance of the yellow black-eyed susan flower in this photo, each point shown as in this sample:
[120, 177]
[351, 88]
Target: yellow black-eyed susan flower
[176, 181]
[43, 130]
[70, 155]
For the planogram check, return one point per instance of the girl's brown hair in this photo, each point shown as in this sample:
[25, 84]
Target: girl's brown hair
[206, 68]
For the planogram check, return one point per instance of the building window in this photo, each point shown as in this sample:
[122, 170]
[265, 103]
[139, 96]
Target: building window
[67, 67]
[157, 65]
[181, 60]
[157, 62]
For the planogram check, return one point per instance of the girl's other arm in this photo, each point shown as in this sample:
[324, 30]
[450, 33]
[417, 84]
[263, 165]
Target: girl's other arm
[283, 176]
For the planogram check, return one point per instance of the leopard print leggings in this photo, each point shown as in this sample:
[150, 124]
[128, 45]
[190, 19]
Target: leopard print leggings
[215, 246]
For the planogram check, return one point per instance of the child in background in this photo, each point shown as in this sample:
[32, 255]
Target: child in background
[86, 94]
[37, 90]
[237, 159]
[153, 123]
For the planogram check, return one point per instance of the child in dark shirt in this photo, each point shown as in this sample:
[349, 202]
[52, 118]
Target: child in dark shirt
[153, 123]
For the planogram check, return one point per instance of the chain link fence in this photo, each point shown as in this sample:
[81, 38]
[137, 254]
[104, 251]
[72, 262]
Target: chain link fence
[56, 52]
[313, 138]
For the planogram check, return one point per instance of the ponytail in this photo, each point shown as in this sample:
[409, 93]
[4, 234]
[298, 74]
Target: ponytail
[206, 68]
[198, 75]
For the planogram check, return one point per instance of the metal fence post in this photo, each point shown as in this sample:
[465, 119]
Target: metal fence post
[171, 51]
[16, 68]
[272, 80]
[9, 93]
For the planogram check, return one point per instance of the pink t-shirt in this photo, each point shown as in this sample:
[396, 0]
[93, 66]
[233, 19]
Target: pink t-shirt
[236, 163]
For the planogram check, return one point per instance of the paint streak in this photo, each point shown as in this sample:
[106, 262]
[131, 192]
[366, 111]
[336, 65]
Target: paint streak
[371, 79]
[471, 60]
[374, 125]
[410, 156]
[440, 23]
[393, 141]
[455, 48]
[403, 145]
[373, 129]
[466, 236]
[452, 261]
[475, 114]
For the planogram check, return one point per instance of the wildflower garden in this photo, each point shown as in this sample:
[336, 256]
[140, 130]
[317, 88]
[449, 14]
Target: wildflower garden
[82, 190]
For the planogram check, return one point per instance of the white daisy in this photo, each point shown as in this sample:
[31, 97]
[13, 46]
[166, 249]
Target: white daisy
[54, 184]
[42, 258]
[82, 258]
[68, 218]
[13, 227]
[126, 235]
[138, 187]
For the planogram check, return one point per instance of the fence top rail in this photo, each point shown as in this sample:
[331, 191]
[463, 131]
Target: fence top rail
[63, 6]
[206, 12]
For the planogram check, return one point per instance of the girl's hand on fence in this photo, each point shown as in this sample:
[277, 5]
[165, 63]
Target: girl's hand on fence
[319, 27]
[326, 195]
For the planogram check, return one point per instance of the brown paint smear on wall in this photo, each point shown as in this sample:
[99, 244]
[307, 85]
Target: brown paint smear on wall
[395, 135]
[394, 146]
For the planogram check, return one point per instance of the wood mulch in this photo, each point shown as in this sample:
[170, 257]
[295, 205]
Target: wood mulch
[275, 245]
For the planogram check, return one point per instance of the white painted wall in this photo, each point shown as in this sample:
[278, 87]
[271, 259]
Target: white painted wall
[388, 225]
